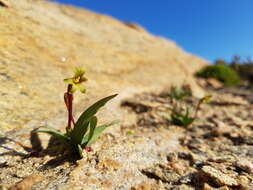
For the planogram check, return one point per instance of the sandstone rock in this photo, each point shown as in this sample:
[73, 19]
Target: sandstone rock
[239, 121]
[229, 99]
[220, 128]
[171, 156]
[120, 164]
[162, 173]
[109, 164]
[224, 188]
[27, 182]
[214, 83]
[245, 165]
[218, 177]
[207, 187]
[135, 26]
[42, 42]
[244, 182]
[145, 186]
[183, 187]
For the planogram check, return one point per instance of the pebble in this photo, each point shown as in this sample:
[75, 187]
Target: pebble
[245, 165]
[27, 182]
[218, 177]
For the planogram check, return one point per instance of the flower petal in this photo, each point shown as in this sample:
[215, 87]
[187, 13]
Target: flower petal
[83, 79]
[81, 88]
[79, 72]
[74, 88]
[68, 81]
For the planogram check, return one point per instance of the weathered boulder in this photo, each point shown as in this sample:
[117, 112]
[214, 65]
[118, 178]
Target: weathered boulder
[42, 42]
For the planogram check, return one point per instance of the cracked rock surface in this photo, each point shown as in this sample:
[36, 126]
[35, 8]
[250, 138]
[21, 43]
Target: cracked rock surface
[215, 152]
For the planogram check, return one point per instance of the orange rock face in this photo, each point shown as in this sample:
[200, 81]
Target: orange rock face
[42, 42]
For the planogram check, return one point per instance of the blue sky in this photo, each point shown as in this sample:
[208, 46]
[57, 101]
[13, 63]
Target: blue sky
[208, 28]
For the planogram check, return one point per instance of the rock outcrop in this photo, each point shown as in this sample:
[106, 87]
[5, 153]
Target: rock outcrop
[42, 42]
[40, 45]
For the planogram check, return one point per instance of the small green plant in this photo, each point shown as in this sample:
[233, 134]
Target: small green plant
[181, 118]
[177, 93]
[221, 72]
[85, 131]
[179, 113]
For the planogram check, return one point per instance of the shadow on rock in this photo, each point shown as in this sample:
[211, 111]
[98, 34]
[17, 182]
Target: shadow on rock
[11, 151]
[55, 149]
[2, 4]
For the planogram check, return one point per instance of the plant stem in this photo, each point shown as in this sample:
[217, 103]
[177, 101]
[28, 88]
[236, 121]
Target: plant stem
[68, 99]
[197, 109]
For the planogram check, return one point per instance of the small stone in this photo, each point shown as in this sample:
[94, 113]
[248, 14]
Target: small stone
[224, 188]
[183, 187]
[222, 159]
[109, 164]
[220, 128]
[144, 186]
[207, 187]
[27, 182]
[161, 173]
[244, 165]
[178, 167]
[248, 140]
[172, 157]
[244, 181]
[218, 177]
[186, 179]
[214, 83]
[202, 82]
[228, 99]
[63, 59]
[3, 187]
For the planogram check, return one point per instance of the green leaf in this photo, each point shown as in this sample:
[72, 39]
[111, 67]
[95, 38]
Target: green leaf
[98, 131]
[80, 150]
[85, 139]
[93, 124]
[92, 110]
[187, 113]
[77, 135]
[180, 118]
[54, 133]
[82, 123]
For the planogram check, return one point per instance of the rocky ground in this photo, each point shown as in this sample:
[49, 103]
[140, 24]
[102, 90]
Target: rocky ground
[42, 42]
[216, 150]
[148, 153]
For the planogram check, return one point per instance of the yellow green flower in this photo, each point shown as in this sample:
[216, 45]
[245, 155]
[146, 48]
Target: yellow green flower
[206, 99]
[76, 81]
